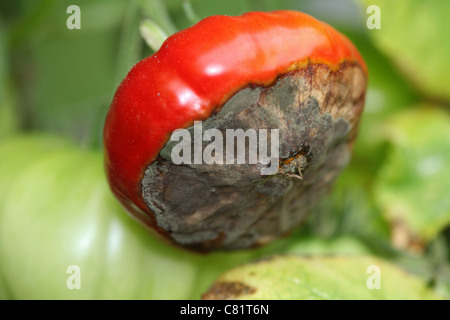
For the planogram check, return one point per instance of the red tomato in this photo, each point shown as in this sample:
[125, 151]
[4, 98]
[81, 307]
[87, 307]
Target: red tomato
[194, 73]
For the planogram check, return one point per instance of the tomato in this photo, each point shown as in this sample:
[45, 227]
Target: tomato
[59, 221]
[192, 76]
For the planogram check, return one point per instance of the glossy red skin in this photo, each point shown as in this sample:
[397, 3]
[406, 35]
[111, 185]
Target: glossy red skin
[195, 72]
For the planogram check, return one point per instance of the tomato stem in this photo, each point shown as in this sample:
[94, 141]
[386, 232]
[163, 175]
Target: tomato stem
[153, 35]
[157, 11]
[189, 12]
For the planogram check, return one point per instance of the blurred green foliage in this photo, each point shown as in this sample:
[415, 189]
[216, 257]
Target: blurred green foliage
[418, 157]
[61, 82]
[415, 35]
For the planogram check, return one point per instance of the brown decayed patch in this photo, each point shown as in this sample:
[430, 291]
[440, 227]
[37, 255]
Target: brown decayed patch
[227, 290]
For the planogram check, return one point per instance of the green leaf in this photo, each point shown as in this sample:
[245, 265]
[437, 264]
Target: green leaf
[414, 183]
[415, 35]
[319, 278]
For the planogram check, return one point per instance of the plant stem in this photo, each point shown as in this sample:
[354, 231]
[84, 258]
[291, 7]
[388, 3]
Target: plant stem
[130, 43]
[157, 11]
[153, 35]
[189, 12]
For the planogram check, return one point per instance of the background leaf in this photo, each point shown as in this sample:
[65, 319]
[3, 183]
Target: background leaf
[317, 278]
[415, 35]
[414, 183]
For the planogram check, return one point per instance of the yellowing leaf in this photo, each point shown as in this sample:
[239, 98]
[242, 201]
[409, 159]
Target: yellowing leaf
[319, 278]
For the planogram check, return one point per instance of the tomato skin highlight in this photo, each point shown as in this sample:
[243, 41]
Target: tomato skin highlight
[195, 72]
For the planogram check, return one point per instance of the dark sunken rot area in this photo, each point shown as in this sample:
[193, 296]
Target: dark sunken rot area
[224, 206]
